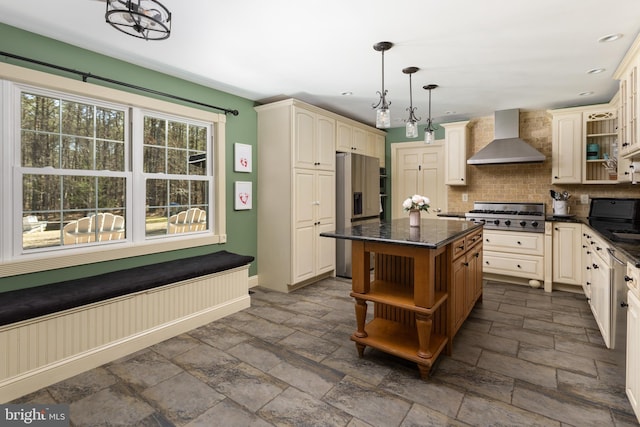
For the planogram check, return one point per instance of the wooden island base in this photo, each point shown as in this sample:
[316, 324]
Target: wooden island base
[421, 296]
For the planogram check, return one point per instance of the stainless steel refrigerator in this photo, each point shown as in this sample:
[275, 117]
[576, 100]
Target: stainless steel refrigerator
[358, 200]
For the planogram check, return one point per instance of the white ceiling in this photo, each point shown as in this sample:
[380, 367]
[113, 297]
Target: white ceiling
[485, 55]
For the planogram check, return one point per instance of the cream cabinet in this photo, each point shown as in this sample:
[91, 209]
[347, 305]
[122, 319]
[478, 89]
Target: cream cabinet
[597, 280]
[314, 213]
[633, 338]
[314, 140]
[353, 137]
[295, 194]
[627, 74]
[566, 147]
[583, 141]
[567, 256]
[514, 254]
[457, 139]
[632, 383]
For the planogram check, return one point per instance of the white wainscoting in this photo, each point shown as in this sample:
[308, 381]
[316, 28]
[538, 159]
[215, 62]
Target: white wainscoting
[38, 352]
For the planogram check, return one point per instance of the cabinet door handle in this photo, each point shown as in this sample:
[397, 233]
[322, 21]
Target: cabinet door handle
[595, 266]
[466, 264]
[461, 247]
[624, 304]
[477, 255]
[628, 279]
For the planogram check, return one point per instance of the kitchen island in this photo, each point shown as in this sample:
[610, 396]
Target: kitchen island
[425, 282]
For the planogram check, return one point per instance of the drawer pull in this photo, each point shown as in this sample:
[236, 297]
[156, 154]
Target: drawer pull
[466, 264]
[519, 243]
[461, 247]
[628, 279]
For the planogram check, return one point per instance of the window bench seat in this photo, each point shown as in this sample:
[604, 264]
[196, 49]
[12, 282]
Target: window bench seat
[52, 332]
[28, 303]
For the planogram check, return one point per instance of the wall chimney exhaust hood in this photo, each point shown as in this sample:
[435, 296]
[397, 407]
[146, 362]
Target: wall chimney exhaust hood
[507, 147]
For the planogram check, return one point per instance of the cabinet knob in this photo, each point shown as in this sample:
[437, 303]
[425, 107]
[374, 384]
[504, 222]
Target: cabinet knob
[595, 266]
[518, 266]
[628, 279]
[624, 304]
[625, 144]
[588, 283]
[466, 264]
[555, 177]
[519, 243]
[461, 179]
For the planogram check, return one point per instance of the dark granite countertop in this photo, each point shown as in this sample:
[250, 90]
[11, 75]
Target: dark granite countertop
[628, 249]
[432, 233]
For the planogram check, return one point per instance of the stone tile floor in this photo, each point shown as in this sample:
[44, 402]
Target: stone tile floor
[523, 358]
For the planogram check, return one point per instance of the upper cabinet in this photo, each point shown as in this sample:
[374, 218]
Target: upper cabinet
[627, 74]
[457, 140]
[314, 142]
[585, 147]
[353, 137]
[566, 147]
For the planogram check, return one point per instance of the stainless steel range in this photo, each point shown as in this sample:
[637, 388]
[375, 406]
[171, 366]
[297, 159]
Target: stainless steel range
[508, 216]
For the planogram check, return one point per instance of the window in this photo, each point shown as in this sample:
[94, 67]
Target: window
[103, 173]
[72, 164]
[177, 179]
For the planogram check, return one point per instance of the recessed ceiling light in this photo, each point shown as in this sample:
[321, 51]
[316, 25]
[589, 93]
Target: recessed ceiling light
[449, 112]
[596, 70]
[346, 93]
[609, 38]
[586, 93]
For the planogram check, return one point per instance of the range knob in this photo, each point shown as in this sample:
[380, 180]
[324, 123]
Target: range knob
[534, 224]
[496, 221]
[523, 223]
[507, 222]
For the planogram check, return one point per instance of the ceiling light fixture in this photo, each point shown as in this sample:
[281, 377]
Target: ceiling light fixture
[609, 38]
[383, 115]
[596, 71]
[412, 121]
[429, 131]
[145, 19]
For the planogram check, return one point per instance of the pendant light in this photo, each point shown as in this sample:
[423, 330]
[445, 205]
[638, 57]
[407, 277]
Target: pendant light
[144, 19]
[429, 131]
[383, 115]
[412, 121]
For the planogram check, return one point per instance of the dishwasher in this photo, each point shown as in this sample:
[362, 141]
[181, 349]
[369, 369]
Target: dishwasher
[618, 306]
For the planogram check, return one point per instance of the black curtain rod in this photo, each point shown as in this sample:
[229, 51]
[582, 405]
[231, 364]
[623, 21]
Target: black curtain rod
[86, 76]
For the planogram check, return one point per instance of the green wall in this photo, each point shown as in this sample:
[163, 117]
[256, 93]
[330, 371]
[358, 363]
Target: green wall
[241, 225]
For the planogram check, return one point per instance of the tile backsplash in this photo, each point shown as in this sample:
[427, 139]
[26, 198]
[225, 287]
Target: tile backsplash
[524, 182]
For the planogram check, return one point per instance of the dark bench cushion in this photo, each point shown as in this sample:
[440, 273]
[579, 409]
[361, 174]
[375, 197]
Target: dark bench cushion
[28, 303]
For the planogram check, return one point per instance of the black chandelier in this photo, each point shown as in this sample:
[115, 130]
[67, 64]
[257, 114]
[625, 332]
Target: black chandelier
[412, 121]
[383, 115]
[429, 131]
[145, 19]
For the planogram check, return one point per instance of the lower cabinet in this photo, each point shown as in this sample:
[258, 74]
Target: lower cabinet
[633, 352]
[567, 256]
[514, 254]
[466, 277]
[597, 280]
